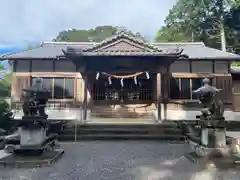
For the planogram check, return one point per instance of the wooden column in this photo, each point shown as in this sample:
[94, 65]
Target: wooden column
[85, 98]
[165, 90]
[158, 94]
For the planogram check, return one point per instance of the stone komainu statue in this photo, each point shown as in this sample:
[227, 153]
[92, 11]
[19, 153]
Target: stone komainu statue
[35, 99]
[213, 106]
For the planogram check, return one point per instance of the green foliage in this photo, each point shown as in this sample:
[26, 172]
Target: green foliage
[6, 121]
[97, 34]
[233, 24]
[236, 64]
[5, 86]
[171, 34]
[203, 20]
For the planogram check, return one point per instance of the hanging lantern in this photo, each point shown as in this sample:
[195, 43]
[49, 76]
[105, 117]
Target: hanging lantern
[147, 75]
[135, 79]
[122, 82]
[109, 80]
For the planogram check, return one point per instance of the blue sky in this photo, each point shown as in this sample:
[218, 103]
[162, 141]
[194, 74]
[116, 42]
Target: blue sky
[26, 21]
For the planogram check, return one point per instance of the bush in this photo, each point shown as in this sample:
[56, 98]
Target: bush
[6, 120]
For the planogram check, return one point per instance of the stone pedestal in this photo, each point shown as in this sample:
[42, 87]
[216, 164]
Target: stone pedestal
[204, 136]
[32, 136]
[211, 144]
[36, 148]
[220, 137]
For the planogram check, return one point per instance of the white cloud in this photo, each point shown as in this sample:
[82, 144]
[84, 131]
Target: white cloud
[37, 20]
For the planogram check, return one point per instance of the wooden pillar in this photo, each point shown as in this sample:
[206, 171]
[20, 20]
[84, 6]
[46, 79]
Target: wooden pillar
[14, 88]
[165, 90]
[158, 94]
[85, 98]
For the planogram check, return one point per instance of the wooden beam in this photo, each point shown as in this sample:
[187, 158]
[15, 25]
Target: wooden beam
[197, 75]
[49, 74]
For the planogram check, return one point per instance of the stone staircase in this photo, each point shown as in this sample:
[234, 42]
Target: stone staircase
[165, 131]
[142, 111]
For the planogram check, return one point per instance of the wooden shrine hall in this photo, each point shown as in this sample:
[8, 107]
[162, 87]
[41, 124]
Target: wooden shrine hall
[122, 76]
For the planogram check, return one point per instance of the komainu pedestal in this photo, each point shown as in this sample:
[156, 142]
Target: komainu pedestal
[212, 136]
[36, 145]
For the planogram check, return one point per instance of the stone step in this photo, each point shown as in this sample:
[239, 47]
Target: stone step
[122, 115]
[123, 126]
[231, 125]
[165, 137]
[120, 130]
[121, 111]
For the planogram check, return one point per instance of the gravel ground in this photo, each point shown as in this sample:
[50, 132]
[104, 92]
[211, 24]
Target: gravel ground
[121, 160]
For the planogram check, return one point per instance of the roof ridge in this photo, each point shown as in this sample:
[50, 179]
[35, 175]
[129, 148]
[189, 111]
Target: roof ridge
[66, 43]
[95, 43]
[122, 35]
[179, 43]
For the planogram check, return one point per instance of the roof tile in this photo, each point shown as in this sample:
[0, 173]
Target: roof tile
[195, 50]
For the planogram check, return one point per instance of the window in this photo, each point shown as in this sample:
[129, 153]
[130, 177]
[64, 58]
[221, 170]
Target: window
[61, 88]
[182, 88]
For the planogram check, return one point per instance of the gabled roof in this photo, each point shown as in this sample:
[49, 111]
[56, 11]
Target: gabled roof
[122, 44]
[123, 41]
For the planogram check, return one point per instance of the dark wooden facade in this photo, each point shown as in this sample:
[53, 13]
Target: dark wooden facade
[173, 75]
[236, 88]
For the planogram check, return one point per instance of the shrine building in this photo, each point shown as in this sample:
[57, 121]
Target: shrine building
[122, 77]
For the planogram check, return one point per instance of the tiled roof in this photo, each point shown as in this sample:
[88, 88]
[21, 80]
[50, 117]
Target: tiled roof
[122, 44]
[194, 50]
[197, 50]
[123, 36]
[45, 50]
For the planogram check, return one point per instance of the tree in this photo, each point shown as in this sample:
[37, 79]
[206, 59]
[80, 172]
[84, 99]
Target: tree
[5, 83]
[198, 20]
[233, 32]
[97, 34]
[6, 114]
[171, 34]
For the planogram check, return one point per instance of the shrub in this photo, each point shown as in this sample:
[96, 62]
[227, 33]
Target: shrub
[6, 120]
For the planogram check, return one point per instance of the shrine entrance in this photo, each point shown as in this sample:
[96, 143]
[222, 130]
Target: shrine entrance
[121, 96]
[126, 77]
[134, 90]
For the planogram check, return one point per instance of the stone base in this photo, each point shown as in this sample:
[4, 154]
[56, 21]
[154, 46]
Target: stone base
[211, 157]
[224, 163]
[236, 158]
[16, 161]
[35, 149]
[204, 151]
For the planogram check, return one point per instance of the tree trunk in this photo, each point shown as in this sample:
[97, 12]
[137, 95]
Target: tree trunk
[222, 34]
